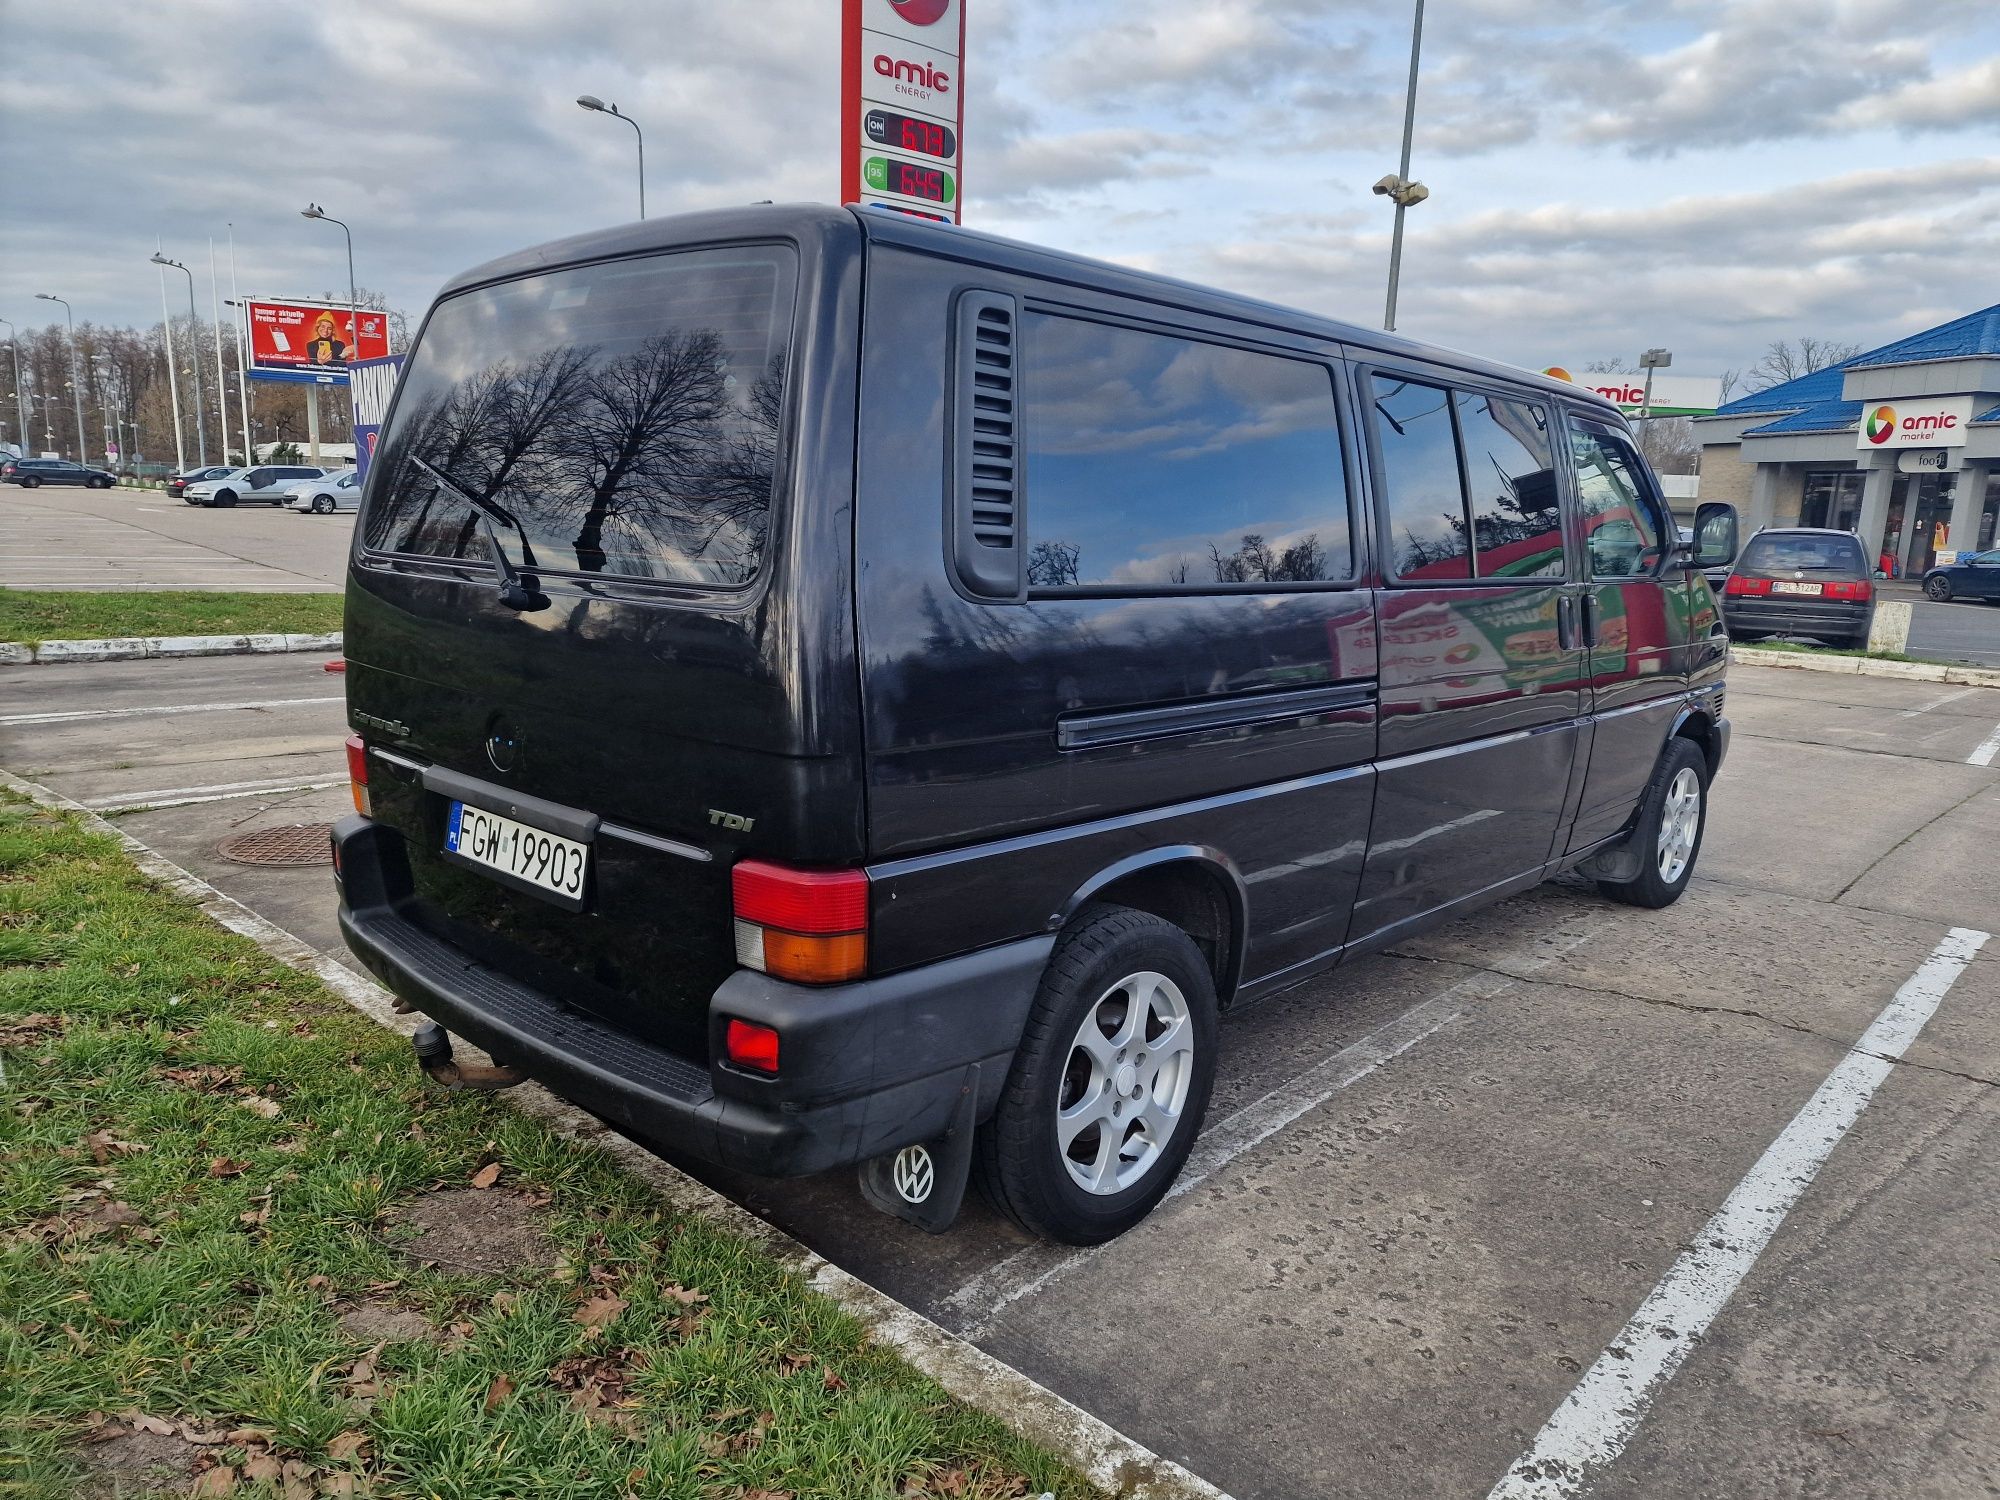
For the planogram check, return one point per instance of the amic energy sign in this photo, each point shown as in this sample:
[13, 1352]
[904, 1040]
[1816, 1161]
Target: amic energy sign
[313, 341]
[902, 102]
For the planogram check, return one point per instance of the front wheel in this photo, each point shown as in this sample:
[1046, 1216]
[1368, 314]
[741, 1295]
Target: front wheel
[1672, 818]
[1938, 588]
[100, 484]
[223, 497]
[322, 505]
[1110, 1083]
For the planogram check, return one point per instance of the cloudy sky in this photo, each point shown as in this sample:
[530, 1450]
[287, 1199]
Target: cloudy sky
[1605, 174]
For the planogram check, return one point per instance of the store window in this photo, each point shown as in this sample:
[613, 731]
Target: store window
[1832, 499]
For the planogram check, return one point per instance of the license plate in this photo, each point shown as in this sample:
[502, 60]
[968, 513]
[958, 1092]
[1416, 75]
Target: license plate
[546, 861]
[1796, 588]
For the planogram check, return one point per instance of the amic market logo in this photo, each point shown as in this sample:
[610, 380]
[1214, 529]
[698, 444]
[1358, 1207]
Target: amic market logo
[1881, 424]
[920, 12]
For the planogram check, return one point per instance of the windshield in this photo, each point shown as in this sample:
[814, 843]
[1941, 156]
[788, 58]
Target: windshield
[625, 413]
[1807, 554]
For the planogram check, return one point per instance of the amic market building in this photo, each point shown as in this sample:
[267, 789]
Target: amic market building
[1900, 445]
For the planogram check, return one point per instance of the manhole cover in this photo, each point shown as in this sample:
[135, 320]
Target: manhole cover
[288, 844]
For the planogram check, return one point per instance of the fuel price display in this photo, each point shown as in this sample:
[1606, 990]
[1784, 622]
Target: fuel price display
[911, 179]
[908, 133]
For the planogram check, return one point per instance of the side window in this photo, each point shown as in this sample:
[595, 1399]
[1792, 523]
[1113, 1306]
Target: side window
[1162, 462]
[1470, 484]
[1622, 528]
[1428, 539]
[1511, 482]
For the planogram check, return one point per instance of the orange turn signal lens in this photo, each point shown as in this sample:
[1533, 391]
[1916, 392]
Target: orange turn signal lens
[357, 772]
[815, 960]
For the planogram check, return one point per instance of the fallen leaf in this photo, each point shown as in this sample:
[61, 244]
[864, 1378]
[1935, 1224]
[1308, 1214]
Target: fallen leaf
[340, 1482]
[487, 1175]
[200, 1438]
[262, 1469]
[682, 1295]
[222, 1166]
[158, 1426]
[103, 1145]
[500, 1389]
[791, 1364]
[506, 1302]
[347, 1445]
[767, 1495]
[257, 1104]
[832, 1381]
[217, 1481]
[319, 1283]
[600, 1310]
[210, 1076]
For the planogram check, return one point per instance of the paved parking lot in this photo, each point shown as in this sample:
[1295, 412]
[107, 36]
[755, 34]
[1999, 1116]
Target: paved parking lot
[54, 538]
[1515, 1174]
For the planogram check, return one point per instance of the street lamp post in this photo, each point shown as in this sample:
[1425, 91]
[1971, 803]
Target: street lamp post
[75, 389]
[1398, 189]
[194, 318]
[597, 106]
[1651, 360]
[173, 384]
[20, 401]
[314, 211]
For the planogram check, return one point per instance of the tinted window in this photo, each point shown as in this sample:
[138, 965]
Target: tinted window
[1777, 552]
[625, 413]
[1428, 538]
[1510, 477]
[1161, 462]
[1621, 527]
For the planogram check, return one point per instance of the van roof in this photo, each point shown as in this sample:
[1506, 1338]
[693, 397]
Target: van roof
[951, 241]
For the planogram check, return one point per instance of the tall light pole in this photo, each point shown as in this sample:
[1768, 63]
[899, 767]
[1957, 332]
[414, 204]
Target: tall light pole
[1651, 360]
[173, 384]
[1398, 189]
[194, 318]
[314, 211]
[20, 399]
[597, 106]
[242, 379]
[75, 388]
[221, 380]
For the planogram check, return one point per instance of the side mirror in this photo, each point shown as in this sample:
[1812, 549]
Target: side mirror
[1714, 544]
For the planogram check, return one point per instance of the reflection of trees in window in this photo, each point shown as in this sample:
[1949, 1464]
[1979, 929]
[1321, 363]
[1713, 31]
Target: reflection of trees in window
[1256, 561]
[1053, 565]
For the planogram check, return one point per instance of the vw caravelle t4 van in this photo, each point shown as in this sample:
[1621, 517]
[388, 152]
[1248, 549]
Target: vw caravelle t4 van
[830, 688]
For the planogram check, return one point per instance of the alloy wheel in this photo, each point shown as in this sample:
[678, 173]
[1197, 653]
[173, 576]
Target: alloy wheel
[1125, 1083]
[1680, 824]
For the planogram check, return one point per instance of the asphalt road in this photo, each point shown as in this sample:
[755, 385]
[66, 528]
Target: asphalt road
[1651, 1180]
[122, 539]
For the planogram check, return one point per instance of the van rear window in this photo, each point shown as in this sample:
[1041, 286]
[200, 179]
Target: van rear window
[626, 414]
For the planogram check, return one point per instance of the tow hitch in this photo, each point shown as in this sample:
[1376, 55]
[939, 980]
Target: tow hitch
[432, 1044]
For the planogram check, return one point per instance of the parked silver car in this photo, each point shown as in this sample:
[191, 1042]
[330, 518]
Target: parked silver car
[337, 491]
[263, 482]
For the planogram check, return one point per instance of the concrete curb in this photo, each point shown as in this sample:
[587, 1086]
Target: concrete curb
[1117, 1464]
[1862, 666]
[146, 648]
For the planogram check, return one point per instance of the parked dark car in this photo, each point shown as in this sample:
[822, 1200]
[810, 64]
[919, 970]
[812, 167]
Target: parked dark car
[1801, 581]
[833, 689]
[177, 486]
[1974, 576]
[30, 472]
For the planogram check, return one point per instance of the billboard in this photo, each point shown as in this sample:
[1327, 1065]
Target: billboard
[312, 340]
[1673, 395]
[370, 384]
[1932, 422]
[902, 103]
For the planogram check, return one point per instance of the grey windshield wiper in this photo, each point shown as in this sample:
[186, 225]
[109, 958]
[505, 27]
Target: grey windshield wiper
[517, 591]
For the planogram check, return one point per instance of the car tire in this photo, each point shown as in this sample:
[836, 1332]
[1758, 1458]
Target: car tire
[1938, 589]
[1673, 816]
[322, 505]
[29, 482]
[223, 498]
[1079, 1046]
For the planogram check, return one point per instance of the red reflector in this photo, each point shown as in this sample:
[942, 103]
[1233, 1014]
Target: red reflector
[752, 1046]
[357, 773]
[809, 901]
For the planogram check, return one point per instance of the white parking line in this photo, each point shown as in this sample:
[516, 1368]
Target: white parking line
[1983, 756]
[189, 796]
[1924, 708]
[1595, 1421]
[73, 715]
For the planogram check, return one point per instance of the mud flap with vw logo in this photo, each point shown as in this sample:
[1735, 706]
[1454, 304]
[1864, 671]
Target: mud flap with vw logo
[925, 1182]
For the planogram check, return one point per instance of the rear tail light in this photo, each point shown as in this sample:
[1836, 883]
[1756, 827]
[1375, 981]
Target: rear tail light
[806, 925]
[1860, 589]
[1738, 584]
[357, 772]
[749, 1045]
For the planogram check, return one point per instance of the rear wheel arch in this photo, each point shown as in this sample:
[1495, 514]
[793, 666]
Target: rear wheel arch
[1196, 888]
[1697, 725]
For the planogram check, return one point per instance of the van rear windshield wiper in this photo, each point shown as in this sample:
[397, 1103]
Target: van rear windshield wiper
[518, 590]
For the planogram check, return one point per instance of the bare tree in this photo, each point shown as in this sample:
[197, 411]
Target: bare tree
[1605, 367]
[1670, 445]
[1053, 565]
[1788, 359]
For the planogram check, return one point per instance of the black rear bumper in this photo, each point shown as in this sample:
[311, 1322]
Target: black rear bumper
[1839, 618]
[866, 1068]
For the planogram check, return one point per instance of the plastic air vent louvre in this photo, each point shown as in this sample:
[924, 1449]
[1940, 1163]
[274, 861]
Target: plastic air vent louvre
[986, 520]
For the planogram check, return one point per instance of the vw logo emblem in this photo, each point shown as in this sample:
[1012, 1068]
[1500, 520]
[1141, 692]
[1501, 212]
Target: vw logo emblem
[914, 1174]
[503, 745]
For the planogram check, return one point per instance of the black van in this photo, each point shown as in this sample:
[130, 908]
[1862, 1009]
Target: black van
[833, 688]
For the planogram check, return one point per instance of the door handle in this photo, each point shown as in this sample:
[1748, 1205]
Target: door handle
[1566, 623]
[1591, 621]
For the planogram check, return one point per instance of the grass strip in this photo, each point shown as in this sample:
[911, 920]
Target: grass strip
[1801, 649]
[246, 1248]
[31, 616]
